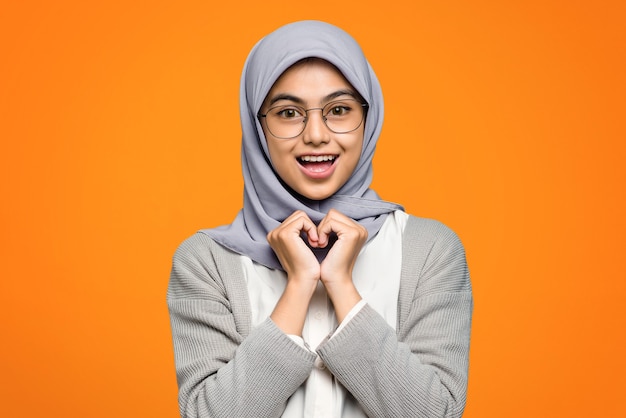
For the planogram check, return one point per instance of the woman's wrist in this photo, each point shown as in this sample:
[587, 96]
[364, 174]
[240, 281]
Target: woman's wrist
[290, 311]
[344, 296]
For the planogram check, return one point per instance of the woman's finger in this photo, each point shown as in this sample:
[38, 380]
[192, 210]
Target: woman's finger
[345, 228]
[292, 252]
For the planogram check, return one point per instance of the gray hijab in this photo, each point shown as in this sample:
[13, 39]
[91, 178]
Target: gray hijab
[267, 201]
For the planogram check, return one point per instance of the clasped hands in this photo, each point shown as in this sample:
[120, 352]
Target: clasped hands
[299, 261]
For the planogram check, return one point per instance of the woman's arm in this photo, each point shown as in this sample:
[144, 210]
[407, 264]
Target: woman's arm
[302, 268]
[420, 370]
[222, 371]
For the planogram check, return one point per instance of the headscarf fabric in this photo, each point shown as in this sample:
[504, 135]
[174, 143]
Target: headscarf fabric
[267, 201]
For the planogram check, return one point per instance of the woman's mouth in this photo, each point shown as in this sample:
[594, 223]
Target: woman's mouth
[317, 163]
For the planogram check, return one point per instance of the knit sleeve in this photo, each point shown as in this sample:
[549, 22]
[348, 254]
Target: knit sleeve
[222, 370]
[421, 369]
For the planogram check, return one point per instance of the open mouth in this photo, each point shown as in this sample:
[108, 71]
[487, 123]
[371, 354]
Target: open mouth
[317, 163]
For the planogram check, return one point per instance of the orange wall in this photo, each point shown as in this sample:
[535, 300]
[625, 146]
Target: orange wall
[120, 137]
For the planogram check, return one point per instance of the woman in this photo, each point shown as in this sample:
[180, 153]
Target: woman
[320, 299]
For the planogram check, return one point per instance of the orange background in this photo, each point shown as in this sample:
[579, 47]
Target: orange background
[120, 138]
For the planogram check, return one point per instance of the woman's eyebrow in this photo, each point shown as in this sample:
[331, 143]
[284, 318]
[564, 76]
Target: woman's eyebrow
[339, 93]
[298, 100]
[285, 96]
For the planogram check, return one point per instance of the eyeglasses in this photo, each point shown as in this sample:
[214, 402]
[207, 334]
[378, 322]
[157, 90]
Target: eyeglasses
[340, 116]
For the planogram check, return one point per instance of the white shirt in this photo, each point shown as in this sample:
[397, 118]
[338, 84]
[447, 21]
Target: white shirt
[376, 276]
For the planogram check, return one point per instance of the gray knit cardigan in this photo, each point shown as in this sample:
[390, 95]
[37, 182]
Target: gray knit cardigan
[225, 368]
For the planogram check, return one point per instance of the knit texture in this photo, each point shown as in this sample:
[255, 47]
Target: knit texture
[226, 369]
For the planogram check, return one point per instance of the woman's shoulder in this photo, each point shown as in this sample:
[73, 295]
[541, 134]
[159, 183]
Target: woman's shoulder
[202, 255]
[431, 238]
[435, 250]
[200, 245]
[428, 229]
[204, 270]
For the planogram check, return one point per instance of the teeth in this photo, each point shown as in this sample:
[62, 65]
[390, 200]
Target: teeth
[317, 158]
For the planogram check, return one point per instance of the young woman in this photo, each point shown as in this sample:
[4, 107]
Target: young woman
[320, 299]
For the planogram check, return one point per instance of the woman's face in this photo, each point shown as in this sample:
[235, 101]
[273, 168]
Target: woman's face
[317, 162]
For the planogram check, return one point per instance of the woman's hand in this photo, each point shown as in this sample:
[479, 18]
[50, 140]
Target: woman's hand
[336, 269]
[296, 258]
[301, 266]
[304, 271]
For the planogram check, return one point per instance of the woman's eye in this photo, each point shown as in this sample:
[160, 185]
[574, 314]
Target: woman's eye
[339, 110]
[288, 113]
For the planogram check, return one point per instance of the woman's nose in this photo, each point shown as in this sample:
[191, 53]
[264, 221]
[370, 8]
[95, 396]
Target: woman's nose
[315, 131]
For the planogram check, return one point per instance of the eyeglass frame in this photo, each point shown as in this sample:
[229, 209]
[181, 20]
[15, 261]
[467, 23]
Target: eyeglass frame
[365, 107]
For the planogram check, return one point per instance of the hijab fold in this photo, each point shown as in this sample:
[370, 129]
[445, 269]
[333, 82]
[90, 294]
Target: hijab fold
[267, 201]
